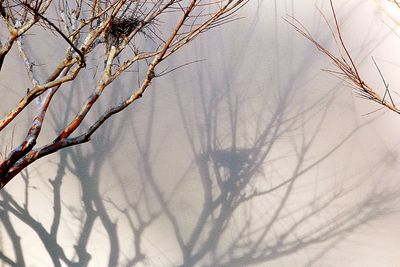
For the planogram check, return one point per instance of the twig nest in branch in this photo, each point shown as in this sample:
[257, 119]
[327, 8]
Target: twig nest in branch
[121, 28]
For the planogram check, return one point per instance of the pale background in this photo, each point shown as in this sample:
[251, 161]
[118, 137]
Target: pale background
[262, 65]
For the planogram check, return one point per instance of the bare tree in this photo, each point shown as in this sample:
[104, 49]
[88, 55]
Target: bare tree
[346, 66]
[135, 36]
[249, 178]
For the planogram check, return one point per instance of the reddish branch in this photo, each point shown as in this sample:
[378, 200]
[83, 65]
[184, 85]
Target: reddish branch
[347, 71]
[84, 35]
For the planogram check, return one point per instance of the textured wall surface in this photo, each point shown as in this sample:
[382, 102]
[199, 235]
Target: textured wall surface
[252, 156]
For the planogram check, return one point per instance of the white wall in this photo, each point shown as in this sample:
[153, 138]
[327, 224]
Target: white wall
[339, 208]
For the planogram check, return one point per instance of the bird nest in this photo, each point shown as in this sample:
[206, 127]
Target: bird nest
[122, 28]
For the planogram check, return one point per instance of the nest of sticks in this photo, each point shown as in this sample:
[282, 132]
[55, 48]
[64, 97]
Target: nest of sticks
[122, 28]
